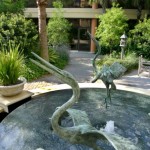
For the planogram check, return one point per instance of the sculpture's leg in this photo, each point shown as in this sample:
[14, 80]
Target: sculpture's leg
[108, 96]
[106, 102]
[107, 89]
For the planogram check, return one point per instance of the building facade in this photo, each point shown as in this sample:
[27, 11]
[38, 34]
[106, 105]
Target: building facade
[83, 16]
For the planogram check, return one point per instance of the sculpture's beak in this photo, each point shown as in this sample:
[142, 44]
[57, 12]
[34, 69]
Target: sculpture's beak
[60, 74]
[46, 65]
[95, 78]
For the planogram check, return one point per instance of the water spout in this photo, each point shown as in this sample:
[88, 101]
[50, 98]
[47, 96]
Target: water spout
[109, 128]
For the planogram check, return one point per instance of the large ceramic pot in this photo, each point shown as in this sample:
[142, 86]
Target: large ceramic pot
[13, 89]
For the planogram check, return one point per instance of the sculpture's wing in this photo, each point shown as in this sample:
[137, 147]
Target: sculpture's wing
[118, 142]
[117, 70]
[79, 117]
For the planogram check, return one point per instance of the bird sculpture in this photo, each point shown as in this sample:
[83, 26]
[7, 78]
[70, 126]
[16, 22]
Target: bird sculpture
[107, 73]
[82, 131]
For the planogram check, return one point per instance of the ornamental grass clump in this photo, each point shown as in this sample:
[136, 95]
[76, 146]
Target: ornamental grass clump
[11, 65]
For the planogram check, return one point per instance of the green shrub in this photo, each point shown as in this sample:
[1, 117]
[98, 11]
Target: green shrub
[63, 53]
[130, 61]
[58, 27]
[19, 30]
[53, 56]
[12, 7]
[112, 24]
[11, 64]
[59, 55]
[140, 39]
[32, 71]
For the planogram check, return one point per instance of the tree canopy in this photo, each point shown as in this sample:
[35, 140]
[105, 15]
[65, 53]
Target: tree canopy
[12, 6]
[112, 25]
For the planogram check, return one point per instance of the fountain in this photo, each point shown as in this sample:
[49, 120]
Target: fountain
[28, 127]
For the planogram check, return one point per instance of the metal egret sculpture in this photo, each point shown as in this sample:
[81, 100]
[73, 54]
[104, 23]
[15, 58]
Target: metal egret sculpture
[82, 132]
[107, 73]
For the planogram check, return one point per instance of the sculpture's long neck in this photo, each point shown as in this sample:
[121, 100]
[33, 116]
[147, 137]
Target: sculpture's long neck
[98, 46]
[94, 62]
[67, 78]
[97, 72]
[59, 112]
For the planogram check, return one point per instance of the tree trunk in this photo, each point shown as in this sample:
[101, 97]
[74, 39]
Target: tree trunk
[139, 11]
[104, 4]
[139, 4]
[42, 28]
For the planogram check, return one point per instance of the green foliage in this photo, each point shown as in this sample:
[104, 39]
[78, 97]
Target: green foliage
[112, 24]
[59, 55]
[58, 27]
[130, 61]
[67, 3]
[140, 38]
[11, 64]
[63, 53]
[12, 6]
[19, 30]
[32, 71]
[53, 56]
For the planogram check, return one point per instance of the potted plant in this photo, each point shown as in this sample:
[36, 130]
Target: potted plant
[11, 66]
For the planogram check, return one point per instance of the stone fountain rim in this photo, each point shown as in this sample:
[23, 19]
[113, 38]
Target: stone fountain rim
[89, 85]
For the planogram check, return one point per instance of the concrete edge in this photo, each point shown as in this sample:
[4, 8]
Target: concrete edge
[87, 85]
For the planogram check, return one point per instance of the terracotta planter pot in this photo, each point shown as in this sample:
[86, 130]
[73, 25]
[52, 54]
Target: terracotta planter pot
[13, 89]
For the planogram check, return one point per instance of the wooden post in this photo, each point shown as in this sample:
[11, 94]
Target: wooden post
[93, 28]
[42, 28]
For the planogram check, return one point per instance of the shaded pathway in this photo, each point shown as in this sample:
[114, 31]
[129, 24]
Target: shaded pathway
[80, 66]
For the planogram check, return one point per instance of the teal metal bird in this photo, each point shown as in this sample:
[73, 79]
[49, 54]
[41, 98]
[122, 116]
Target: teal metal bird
[107, 73]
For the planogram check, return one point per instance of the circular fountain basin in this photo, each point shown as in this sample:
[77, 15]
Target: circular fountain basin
[28, 126]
